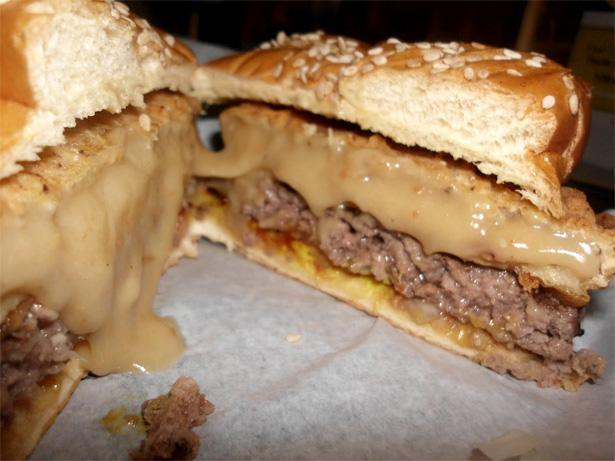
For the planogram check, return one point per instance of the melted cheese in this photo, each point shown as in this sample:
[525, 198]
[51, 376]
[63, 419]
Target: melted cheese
[96, 254]
[404, 192]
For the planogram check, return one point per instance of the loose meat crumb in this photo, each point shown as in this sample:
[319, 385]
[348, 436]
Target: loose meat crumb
[171, 418]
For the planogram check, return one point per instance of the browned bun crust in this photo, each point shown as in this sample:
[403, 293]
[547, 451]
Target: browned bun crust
[104, 59]
[32, 417]
[518, 116]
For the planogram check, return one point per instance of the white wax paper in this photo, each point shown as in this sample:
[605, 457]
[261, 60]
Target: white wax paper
[351, 387]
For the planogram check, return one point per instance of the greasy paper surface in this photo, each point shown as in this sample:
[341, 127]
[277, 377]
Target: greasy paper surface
[351, 387]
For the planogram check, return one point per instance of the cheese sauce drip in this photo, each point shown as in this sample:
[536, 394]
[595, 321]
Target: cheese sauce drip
[97, 254]
[329, 166]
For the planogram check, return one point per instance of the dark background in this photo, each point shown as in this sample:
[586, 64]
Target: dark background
[549, 27]
[241, 25]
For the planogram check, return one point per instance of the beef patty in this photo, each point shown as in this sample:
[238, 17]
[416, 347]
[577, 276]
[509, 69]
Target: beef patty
[488, 298]
[34, 344]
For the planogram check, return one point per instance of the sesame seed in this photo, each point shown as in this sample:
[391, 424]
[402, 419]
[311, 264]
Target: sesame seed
[474, 58]
[453, 61]
[449, 50]
[122, 8]
[393, 41]
[573, 103]
[169, 39]
[331, 77]
[145, 122]
[432, 55]
[478, 46]
[341, 43]
[288, 56]
[423, 45]
[312, 37]
[312, 52]
[315, 68]
[568, 82]
[129, 21]
[323, 89]
[303, 74]
[533, 63]
[343, 59]
[352, 43]
[115, 14]
[142, 23]
[401, 47]
[144, 38]
[379, 60]
[439, 67]
[375, 51]
[548, 102]
[514, 73]
[535, 53]
[359, 55]
[512, 54]
[277, 71]
[265, 46]
[367, 68]
[468, 73]
[413, 63]
[483, 73]
[299, 62]
[501, 57]
[281, 37]
[454, 44]
[350, 70]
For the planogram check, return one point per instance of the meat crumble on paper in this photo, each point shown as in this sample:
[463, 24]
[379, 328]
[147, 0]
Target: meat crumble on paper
[171, 418]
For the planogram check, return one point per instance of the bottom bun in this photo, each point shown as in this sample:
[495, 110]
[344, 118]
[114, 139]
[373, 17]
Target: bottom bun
[305, 263]
[33, 416]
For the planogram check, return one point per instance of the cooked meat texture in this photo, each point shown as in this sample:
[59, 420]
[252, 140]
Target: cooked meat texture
[171, 418]
[488, 298]
[34, 344]
[273, 206]
[548, 373]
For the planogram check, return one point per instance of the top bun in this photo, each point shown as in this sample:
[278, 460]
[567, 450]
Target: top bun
[517, 116]
[63, 60]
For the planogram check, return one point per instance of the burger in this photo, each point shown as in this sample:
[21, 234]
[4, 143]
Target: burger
[419, 182]
[97, 140]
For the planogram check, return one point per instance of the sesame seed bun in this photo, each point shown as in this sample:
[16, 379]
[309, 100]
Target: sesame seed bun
[64, 60]
[517, 116]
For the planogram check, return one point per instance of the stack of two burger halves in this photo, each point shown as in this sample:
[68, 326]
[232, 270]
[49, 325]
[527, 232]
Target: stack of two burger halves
[418, 182]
